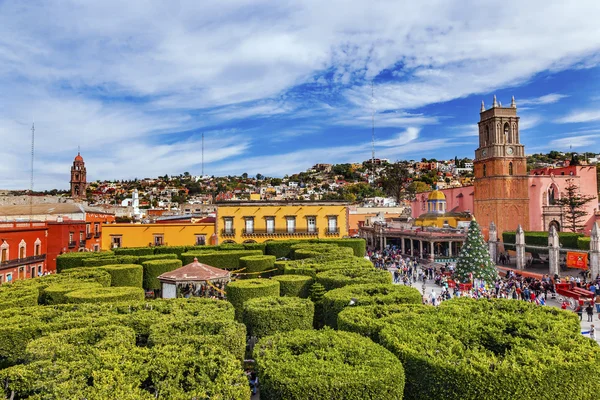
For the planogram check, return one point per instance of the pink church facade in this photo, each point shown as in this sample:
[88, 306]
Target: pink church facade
[546, 185]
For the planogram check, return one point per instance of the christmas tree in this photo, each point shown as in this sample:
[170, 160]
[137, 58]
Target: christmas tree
[474, 260]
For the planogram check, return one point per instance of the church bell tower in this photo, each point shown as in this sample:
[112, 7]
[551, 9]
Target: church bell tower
[78, 178]
[501, 192]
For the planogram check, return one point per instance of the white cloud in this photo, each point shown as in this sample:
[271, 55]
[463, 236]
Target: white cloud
[545, 99]
[576, 142]
[580, 116]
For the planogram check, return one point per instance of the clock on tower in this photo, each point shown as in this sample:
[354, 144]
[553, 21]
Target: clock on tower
[501, 183]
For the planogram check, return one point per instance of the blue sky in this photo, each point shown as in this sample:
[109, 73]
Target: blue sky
[279, 86]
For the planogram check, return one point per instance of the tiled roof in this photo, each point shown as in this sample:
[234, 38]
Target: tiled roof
[49, 208]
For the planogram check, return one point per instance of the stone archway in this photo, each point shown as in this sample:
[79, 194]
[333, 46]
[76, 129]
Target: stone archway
[555, 224]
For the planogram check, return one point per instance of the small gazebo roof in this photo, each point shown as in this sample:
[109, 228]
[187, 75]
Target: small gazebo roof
[194, 272]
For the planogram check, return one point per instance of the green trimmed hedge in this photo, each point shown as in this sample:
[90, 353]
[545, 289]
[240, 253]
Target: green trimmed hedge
[358, 246]
[154, 268]
[336, 300]
[569, 240]
[177, 250]
[255, 246]
[280, 248]
[326, 364]
[265, 316]
[106, 295]
[22, 296]
[370, 320]
[98, 261]
[219, 259]
[200, 332]
[337, 278]
[142, 259]
[134, 251]
[238, 292]
[493, 349]
[55, 293]
[86, 274]
[127, 260]
[256, 264]
[75, 260]
[294, 285]
[125, 274]
[312, 267]
[583, 243]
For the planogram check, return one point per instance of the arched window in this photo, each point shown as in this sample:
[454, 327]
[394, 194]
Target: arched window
[507, 138]
[484, 170]
[510, 168]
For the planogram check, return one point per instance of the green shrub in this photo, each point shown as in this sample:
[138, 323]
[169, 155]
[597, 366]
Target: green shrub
[336, 300]
[86, 274]
[294, 285]
[326, 364]
[200, 332]
[253, 265]
[583, 243]
[280, 248]
[337, 278]
[55, 293]
[255, 246]
[370, 320]
[154, 268]
[238, 292]
[219, 259]
[568, 240]
[358, 246]
[98, 261]
[493, 349]
[312, 266]
[22, 296]
[280, 265]
[202, 248]
[142, 259]
[177, 250]
[75, 260]
[109, 295]
[265, 316]
[125, 274]
[231, 246]
[134, 251]
[127, 260]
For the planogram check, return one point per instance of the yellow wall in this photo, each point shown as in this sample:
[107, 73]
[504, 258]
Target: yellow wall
[140, 235]
[254, 196]
[439, 221]
[300, 210]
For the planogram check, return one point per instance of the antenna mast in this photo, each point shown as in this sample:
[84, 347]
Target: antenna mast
[203, 154]
[31, 180]
[373, 131]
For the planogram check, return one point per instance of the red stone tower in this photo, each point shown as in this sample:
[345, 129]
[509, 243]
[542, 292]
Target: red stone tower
[78, 178]
[501, 183]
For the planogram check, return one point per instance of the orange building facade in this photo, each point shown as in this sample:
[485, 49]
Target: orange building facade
[23, 250]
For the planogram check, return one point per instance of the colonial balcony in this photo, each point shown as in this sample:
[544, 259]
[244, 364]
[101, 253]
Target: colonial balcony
[332, 232]
[82, 243]
[22, 261]
[279, 232]
[72, 244]
[97, 235]
[228, 232]
[89, 235]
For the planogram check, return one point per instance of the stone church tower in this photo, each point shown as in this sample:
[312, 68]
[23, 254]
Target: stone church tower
[501, 183]
[78, 178]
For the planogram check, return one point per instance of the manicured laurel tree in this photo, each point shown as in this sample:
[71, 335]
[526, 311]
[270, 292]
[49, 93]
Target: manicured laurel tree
[231, 246]
[23, 296]
[337, 278]
[154, 268]
[68, 344]
[280, 265]
[86, 274]
[474, 258]
[166, 256]
[219, 259]
[184, 372]
[294, 285]
[98, 261]
[280, 248]
[177, 250]
[494, 349]
[127, 260]
[75, 260]
[265, 316]
[125, 274]
[257, 263]
[326, 364]
[313, 266]
[370, 320]
[55, 293]
[134, 251]
[336, 300]
[240, 291]
[359, 246]
[310, 248]
[110, 294]
[199, 332]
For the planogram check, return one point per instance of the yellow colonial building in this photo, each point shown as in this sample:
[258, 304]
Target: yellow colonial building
[165, 234]
[247, 222]
[437, 215]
